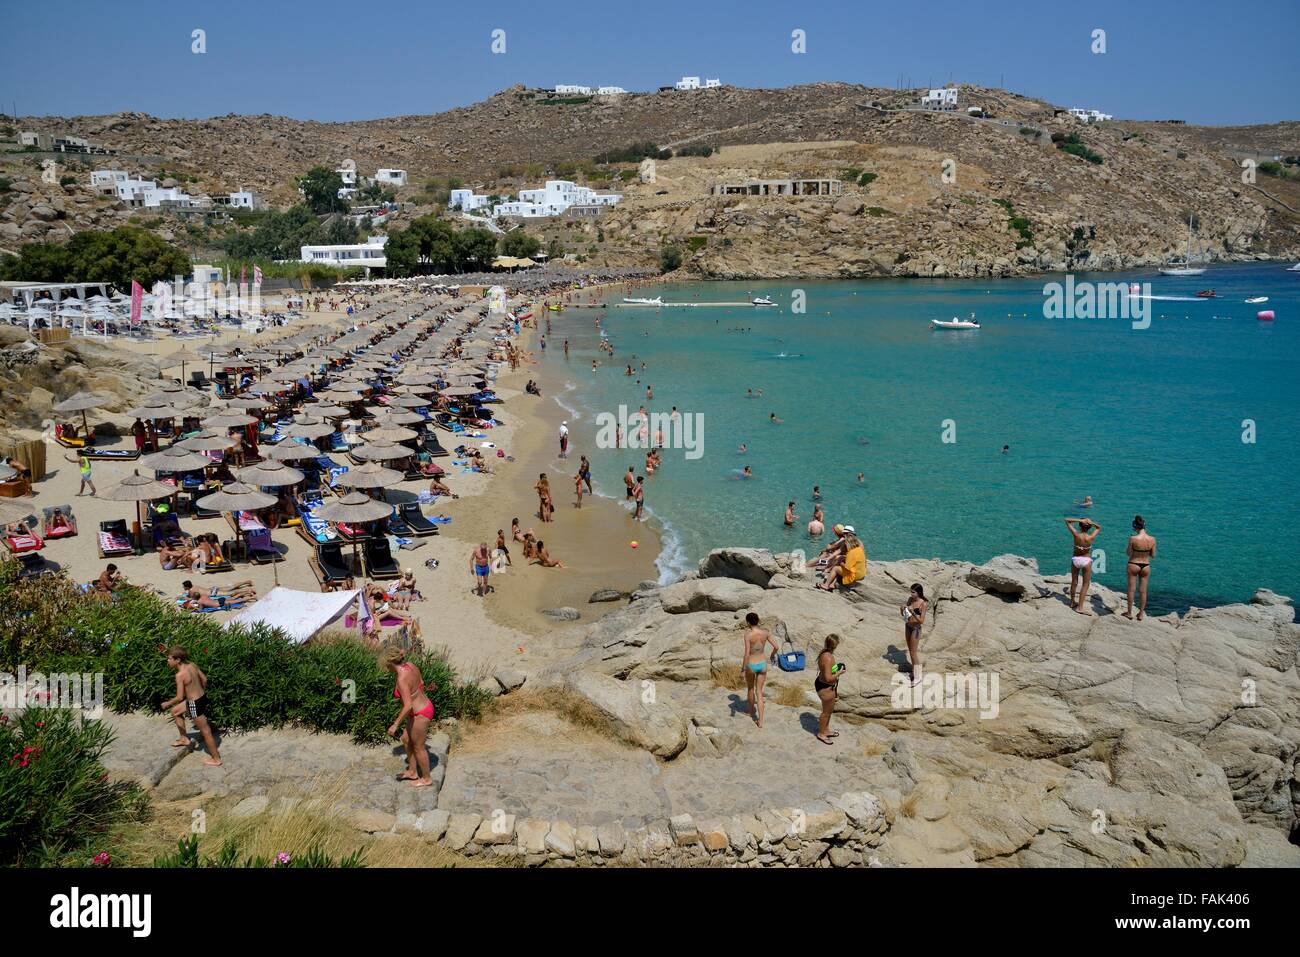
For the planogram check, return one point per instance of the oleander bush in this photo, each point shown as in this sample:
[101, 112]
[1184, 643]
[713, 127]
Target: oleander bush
[258, 677]
[57, 804]
[187, 855]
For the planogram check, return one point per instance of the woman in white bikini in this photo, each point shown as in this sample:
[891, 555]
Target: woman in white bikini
[1081, 562]
[1141, 552]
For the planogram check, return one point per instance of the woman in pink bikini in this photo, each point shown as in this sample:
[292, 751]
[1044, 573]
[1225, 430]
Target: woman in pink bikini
[417, 712]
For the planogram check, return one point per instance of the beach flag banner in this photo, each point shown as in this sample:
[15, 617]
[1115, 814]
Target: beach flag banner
[257, 275]
[364, 618]
[137, 300]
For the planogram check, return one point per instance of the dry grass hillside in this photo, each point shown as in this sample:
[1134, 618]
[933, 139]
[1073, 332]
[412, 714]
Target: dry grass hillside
[1128, 209]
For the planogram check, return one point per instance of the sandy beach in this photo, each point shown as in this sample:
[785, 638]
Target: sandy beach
[480, 634]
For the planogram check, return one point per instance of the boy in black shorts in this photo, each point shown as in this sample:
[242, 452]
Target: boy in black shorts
[191, 702]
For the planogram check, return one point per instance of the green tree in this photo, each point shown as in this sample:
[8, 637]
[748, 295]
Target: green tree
[320, 188]
[519, 244]
[118, 257]
[670, 258]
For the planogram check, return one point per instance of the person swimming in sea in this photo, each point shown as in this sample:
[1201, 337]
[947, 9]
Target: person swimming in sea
[1086, 503]
[790, 516]
[773, 419]
[744, 447]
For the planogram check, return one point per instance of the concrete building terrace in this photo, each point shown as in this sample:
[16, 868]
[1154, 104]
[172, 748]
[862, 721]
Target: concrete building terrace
[780, 187]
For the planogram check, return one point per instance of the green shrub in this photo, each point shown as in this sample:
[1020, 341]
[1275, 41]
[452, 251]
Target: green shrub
[694, 149]
[878, 211]
[259, 678]
[696, 243]
[187, 856]
[866, 179]
[670, 258]
[57, 805]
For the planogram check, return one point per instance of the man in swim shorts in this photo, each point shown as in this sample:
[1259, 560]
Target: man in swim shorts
[191, 702]
[480, 563]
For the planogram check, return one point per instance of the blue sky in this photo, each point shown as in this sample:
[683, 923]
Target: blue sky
[1206, 62]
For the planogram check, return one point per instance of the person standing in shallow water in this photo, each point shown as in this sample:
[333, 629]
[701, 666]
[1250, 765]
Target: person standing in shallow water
[754, 664]
[1141, 552]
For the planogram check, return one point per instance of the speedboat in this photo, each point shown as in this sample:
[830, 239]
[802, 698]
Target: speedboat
[1295, 268]
[955, 323]
[1207, 294]
[763, 301]
[656, 301]
[1258, 299]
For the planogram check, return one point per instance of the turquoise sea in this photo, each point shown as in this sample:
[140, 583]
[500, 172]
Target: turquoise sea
[1146, 421]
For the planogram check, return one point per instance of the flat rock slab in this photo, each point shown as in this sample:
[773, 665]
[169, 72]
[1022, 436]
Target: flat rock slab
[289, 761]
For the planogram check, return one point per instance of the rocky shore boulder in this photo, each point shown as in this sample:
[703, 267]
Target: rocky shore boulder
[1009, 575]
[634, 713]
[709, 594]
[753, 565]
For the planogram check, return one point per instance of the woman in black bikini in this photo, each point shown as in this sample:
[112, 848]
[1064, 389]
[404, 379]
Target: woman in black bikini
[1141, 552]
[913, 612]
[826, 684]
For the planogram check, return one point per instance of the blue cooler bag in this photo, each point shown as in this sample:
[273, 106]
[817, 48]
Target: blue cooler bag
[790, 660]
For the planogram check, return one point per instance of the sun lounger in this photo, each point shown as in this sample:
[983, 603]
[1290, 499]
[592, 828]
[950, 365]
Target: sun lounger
[120, 455]
[24, 542]
[56, 533]
[379, 559]
[33, 565]
[218, 564]
[261, 548]
[432, 446]
[333, 565]
[415, 520]
[113, 539]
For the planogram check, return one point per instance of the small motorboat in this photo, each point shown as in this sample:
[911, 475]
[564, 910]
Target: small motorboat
[1254, 299]
[656, 301]
[1295, 268]
[763, 301]
[553, 307]
[955, 323]
[1207, 294]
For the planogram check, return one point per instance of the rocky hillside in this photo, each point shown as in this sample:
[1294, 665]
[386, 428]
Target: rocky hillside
[951, 195]
[1085, 741]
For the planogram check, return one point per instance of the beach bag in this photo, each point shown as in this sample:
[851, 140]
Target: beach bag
[790, 660]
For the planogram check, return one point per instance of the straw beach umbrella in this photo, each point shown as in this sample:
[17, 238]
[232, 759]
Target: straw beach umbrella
[80, 402]
[387, 434]
[408, 402]
[290, 451]
[176, 458]
[382, 452]
[206, 442]
[137, 488]
[179, 357]
[236, 497]
[370, 475]
[351, 508]
[306, 427]
[271, 473]
[228, 419]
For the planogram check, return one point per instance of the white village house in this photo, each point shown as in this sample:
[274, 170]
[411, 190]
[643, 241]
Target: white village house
[245, 199]
[553, 199]
[693, 83]
[572, 89]
[391, 177]
[944, 99]
[369, 254]
[467, 200]
[1090, 116]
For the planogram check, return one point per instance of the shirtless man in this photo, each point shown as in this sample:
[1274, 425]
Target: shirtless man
[438, 488]
[638, 496]
[1081, 561]
[790, 516]
[191, 701]
[754, 664]
[480, 566]
[109, 579]
[170, 558]
[629, 480]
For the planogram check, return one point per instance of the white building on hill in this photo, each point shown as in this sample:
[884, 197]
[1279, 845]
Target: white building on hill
[369, 254]
[246, 199]
[694, 83]
[569, 89]
[1090, 116]
[391, 177]
[610, 90]
[944, 99]
[553, 199]
[467, 200]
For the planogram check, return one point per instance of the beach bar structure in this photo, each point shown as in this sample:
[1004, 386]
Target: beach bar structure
[780, 187]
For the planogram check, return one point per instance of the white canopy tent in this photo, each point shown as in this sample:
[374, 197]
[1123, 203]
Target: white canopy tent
[299, 614]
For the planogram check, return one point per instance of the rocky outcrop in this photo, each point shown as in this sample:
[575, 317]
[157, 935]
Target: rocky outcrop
[1037, 736]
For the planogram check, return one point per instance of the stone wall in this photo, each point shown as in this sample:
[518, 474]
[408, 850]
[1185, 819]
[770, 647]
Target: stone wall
[836, 832]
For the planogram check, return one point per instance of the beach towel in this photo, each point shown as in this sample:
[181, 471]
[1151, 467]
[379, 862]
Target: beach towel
[335, 472]
[228, 606]
[259, 540]
[248, 522]
[111, 542]
[318, 528]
